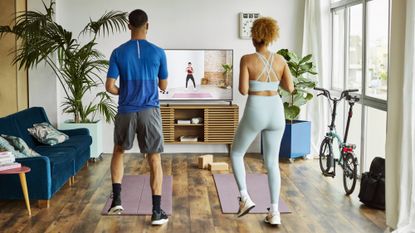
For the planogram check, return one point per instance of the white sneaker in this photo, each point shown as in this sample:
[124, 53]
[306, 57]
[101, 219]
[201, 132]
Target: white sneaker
[115, 210]
[245, 206]
[273, 218]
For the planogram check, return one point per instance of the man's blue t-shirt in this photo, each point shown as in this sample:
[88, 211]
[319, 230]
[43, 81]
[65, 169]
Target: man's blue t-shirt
[139, 64]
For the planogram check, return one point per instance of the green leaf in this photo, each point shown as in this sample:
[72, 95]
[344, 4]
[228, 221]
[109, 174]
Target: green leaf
[284, 53]
[306, 67]
[291, 112]
[110, 22]
[306, 58]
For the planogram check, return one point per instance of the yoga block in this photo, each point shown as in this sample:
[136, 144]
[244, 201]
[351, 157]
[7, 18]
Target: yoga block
[219, 166]
[204, 160]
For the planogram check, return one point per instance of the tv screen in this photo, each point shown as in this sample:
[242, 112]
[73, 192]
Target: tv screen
[199, 75]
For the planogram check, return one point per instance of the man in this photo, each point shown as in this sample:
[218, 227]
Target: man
[142, 68]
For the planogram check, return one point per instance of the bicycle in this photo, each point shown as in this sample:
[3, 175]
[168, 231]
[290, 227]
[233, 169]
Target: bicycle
[347, 160]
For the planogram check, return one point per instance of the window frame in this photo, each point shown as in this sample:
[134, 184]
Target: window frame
[365, 100]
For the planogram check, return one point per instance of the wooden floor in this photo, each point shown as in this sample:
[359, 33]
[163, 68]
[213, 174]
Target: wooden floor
[318, 203]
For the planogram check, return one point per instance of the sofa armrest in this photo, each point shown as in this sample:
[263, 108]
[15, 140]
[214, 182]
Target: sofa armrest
[39, 178]
[73, 132]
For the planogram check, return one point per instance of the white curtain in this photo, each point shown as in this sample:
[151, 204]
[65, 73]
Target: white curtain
[315, 41]
[400, 148]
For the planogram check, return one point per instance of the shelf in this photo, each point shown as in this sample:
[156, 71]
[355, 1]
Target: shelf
[178, 142]
[188, 124]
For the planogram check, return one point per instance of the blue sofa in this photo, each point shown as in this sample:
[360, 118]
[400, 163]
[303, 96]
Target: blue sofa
[56, 165]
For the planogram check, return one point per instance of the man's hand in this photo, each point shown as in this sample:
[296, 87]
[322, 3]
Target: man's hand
[163, 84]
[111, 87]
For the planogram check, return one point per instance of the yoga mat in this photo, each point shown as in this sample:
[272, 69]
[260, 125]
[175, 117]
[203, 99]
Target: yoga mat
[136, 196]
[257, 188]
[192, 95]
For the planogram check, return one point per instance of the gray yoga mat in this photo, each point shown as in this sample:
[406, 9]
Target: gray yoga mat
[257, 188]
[136, 196]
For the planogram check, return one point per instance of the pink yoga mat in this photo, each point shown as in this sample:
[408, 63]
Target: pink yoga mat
[257, 188]
[202, 95]
[136, 196]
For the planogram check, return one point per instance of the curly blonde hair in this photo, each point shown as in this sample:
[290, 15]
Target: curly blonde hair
[264, 31]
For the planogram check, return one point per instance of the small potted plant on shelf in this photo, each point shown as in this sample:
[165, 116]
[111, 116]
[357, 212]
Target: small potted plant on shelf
[296, 140]
[227, 70]
[77, 66]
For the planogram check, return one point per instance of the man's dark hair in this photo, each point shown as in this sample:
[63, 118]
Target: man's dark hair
[189, 63]
[137, 18]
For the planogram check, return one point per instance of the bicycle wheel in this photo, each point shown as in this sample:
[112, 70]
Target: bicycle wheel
[349, 172]
[326, 155]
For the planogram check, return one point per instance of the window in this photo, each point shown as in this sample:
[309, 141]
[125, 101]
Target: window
[355, 48]
[338, 49]
[377, 48]
[360, 38]
[375, 135]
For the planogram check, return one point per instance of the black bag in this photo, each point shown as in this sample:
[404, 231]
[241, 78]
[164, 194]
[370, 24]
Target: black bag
[372, 185]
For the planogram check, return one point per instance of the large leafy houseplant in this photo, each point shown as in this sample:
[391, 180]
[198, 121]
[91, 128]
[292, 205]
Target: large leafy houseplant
[303, 84]
[77, 67]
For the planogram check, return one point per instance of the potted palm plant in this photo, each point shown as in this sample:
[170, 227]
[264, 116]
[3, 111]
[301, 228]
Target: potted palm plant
[77, 66]
[296, 140]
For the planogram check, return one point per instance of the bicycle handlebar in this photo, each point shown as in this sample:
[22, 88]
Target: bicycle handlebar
[351, 90]
[319, 89]
[343, 94]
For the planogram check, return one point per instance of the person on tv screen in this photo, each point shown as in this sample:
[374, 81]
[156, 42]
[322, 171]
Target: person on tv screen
[261, 74]
[141, 68]
[189, 71]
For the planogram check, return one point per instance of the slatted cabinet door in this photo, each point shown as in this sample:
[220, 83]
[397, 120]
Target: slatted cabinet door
[167, 116]
[221, 124]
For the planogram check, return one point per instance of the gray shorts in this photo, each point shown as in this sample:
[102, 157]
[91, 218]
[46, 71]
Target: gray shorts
[146, 124]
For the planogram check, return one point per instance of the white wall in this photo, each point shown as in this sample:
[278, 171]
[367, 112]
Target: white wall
[187, 24]
[43, 89]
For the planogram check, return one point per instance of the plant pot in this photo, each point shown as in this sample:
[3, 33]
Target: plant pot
[95, 130]
[296, 140]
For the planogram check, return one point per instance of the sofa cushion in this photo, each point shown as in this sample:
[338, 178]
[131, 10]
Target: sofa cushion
[4, 144]
[79, 142]
[20, 145]
[8, 126]
[47, 134]
[25, 119]
[58, 155]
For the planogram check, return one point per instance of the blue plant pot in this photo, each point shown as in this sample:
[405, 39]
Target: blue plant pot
[296, 140]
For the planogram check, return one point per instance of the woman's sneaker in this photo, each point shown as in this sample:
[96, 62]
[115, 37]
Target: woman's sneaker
[273, 218]
[245, 206]
[159, 218]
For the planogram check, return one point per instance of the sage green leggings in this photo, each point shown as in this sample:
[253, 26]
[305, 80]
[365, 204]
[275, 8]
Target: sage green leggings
[263, 114]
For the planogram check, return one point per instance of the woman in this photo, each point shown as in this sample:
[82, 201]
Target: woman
[261, 74]
[189, 70]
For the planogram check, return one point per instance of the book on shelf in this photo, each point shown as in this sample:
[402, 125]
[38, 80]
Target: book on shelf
[9, 166]
[188, 139]
[184, 122]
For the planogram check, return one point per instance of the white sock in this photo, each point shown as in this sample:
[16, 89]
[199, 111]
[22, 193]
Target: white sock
[274, 208]
[244, 194]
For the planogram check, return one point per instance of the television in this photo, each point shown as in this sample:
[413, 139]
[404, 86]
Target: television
[199, 74]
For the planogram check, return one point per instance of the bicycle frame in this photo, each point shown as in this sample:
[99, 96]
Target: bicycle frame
[333, 134]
